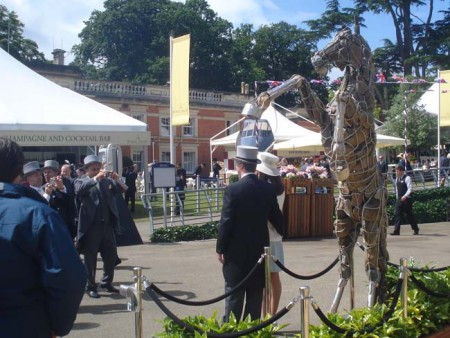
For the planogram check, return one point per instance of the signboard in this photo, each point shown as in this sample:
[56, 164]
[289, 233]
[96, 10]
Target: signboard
[66, 138]
[163, 175]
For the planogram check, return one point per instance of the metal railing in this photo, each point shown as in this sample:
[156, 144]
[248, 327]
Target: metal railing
[186, 207]
[422, 178]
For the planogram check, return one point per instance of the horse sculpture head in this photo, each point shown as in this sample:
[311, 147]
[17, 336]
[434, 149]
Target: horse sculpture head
[346, 49]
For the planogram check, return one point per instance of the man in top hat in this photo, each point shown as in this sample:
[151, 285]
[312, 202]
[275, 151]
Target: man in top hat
[61, 194]
[97, 222]
[248, 205]
[32, 177]
[43, 279]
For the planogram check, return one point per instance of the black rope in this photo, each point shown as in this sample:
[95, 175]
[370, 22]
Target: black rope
[205, 302]
[410, 268]
[420, 269]
[422, 287]
[192, 329]
[385, 318]
[293, 274]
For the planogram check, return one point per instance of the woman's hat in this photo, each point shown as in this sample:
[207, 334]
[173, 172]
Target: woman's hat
[30, 168]
[91, 159]
[268, 164]
[50, 164]
[247, 154]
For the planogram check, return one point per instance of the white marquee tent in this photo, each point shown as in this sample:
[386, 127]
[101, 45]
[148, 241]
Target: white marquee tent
[35, 111]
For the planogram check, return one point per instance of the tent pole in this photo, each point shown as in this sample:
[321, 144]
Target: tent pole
[171, 132]
[439, 121]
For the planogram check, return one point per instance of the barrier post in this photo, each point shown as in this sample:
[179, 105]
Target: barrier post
[267, 289]
[352, 281]
[138, 314]
[304, 310]
[404, 294]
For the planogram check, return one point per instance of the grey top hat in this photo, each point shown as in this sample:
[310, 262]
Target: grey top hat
[50, 164]
[91, 159]
[247, 154]
[30, 168]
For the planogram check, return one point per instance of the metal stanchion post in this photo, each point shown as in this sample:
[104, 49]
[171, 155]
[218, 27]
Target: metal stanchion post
[304, 311]
[267, 289]
[138, 314]
[404, 294]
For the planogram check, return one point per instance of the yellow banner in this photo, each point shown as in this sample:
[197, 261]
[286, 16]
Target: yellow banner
[444, 99]
[179, 86]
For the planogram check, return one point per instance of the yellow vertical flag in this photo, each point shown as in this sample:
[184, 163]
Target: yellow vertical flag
[179, 83]
[444, 98]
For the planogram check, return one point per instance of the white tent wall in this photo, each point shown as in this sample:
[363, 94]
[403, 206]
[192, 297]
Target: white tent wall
[35, 111]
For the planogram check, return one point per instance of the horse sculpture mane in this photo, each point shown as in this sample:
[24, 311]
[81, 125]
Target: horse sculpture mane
[349, 140]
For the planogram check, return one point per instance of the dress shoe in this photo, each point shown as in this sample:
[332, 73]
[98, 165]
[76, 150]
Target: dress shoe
[110, 288]
[118, 261]
[93, 294]
[416, 232]
[394, 233]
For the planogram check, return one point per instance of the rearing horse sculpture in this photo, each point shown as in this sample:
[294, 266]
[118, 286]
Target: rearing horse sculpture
[349, 140]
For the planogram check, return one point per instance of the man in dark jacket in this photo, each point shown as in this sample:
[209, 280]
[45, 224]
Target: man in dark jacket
[97, 222]
[248, 205]
[42, 279]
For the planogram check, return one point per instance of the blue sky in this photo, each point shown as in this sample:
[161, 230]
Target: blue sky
[56, 23]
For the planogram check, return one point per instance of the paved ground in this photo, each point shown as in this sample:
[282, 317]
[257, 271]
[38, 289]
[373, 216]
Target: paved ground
[191, 270]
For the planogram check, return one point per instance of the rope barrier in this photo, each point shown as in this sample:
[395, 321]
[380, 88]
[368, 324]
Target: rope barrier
[361, 246]
[192, 329]
[205, 302]
[423, 287]
[293, 274]
[385, 318]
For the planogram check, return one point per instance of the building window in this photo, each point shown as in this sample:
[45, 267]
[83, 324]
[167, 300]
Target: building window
[165, 156]
[136, 156]
[165, 126]
[189, 161]
[189, 129]
[233, 129]
[139, 117]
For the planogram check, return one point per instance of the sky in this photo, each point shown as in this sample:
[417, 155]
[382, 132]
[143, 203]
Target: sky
[57, 23]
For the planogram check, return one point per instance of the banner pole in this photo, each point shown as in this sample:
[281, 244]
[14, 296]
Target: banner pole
[171, 131]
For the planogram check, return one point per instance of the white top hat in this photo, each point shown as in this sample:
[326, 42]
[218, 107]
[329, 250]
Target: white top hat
[268, 164]
[50, 164]
[31, 167]
[247, 154]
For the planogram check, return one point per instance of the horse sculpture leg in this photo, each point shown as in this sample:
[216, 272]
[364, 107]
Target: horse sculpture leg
[347, 232]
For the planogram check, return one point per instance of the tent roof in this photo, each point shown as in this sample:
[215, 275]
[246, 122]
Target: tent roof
[31, 105]
[430, 99]
[283, 129]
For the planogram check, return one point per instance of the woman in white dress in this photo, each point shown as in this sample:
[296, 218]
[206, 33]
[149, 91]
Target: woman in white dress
[267, 171]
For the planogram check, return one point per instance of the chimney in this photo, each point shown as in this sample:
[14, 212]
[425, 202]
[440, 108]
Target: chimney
[58, 56]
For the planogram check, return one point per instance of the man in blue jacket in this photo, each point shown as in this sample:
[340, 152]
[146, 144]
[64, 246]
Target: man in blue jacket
[42, 279]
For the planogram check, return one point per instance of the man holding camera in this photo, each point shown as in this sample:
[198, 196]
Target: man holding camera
[97, 222]
[61, 194]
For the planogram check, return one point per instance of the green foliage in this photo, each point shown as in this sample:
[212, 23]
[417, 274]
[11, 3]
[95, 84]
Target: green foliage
[185, 233]
[430, 205]
[171, 330]
[24, 50]
[233, 178]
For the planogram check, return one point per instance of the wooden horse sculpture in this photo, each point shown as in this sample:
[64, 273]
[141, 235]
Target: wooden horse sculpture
[349, 140]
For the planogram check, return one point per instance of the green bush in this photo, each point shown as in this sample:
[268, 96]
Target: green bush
[426, 314]
[185, 233]
[233, 178]
[429, 206]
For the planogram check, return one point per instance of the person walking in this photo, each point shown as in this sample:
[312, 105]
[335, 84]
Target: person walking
[248, 205]
[404, 203]
[97, 222]
[382, 165]
[216, 168]
[131, 174]
[180, 185]
[267, 171]
[42, 277]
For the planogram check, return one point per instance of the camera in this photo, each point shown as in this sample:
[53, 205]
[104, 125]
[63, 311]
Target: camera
[52, 181]
[108, 174]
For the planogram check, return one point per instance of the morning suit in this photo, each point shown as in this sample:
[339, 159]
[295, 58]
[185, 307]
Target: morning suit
[97, 222]
[242, 235]
[64, 203]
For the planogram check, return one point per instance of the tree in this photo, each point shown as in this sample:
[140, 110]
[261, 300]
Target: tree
[12, 40]
[420, 125]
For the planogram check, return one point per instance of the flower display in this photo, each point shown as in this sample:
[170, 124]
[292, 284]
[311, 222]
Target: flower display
[290, 171]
